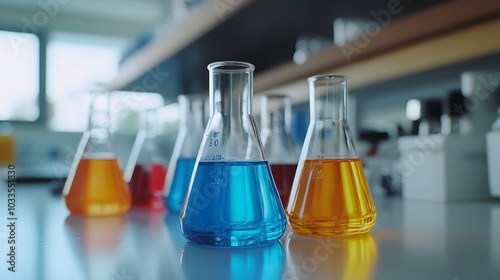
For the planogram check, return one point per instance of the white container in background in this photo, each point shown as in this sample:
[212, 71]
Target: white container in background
[444, 168]
[493, 148]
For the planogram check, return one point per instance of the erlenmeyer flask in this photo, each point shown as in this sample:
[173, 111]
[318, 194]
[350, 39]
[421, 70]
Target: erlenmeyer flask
[278, 144]
[330, 195]
[232, 199]
[146, 169]
[192, 124]
[95, 184]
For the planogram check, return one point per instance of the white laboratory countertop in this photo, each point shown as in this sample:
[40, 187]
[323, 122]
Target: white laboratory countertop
[411, 240]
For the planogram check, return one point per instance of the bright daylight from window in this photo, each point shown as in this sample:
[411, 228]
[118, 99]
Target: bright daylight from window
[74, 65]
[19, 76]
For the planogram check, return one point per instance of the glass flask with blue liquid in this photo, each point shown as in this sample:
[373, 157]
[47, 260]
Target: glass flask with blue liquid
[192, 123]
[232, 200]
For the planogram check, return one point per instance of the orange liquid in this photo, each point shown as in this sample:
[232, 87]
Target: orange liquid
[98, 189]
[7, 150]
[331, 198]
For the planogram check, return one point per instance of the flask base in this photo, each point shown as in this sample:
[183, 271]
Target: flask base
[234, 238]
[325, 228]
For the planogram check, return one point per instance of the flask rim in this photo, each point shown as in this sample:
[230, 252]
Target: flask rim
[230, 67]
[274, 95]
[328, 78]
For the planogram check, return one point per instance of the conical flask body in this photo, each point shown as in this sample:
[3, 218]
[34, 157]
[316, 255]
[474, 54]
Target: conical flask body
[95, 184]
[277, 140]
[330, 195]
[232, 199]
[146, 168]
[192, 125]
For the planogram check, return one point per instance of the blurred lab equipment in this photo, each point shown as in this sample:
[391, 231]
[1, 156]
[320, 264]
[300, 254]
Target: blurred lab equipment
[348, 29]
[232, 199]
[146, 169]
[496, 124]
[413, 114]
[277, 141]
[453, 166]
[95, 184]
[192, 124]
[430, 117]
[307, 46]
[482, 99]
[330, 195]
[493, 149]
[380, 160]
[453, 121]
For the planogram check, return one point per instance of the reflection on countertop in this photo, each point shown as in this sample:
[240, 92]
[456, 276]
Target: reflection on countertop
[411, 240]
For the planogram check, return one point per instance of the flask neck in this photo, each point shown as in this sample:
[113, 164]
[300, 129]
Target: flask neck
[329, 135]
[276, 112]
[231, 88]
[147, 124]
[99, 118]
[328, 95]
[231, 133]
[192, 111]
[97, 139]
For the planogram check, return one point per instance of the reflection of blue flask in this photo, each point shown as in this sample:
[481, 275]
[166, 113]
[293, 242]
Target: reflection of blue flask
[192, 124]
[232, 198]
[259, 263]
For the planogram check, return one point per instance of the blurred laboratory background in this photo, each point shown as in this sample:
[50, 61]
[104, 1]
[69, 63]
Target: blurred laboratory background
[423, 76]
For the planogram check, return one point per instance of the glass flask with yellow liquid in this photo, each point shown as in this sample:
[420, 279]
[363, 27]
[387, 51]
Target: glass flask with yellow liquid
[95, 184]
[330, 195]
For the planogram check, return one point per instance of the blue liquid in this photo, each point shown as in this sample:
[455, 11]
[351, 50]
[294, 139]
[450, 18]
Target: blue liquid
[233, 204]
[180, 184]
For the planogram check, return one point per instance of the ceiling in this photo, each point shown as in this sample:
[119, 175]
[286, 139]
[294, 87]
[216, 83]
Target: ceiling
[126, 18]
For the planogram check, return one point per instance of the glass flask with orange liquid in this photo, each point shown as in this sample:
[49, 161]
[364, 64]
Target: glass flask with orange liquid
[276, 111]
[95, 184]
[146, 168]
[330, 195]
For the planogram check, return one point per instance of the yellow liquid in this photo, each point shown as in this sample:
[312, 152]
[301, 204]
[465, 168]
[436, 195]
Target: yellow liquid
[98, 189]
[332, 198]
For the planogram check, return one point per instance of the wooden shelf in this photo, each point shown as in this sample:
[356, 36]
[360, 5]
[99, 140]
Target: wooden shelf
[468, 43]
[165, 45]
[447, 33]
[441, 35]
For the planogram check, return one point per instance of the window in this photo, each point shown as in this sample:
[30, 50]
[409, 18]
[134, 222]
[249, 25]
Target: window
[19, 76]
[75, 63]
